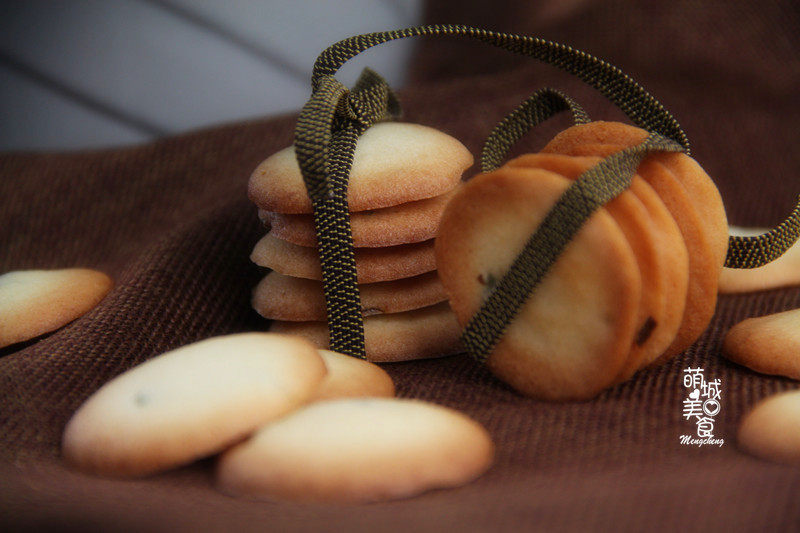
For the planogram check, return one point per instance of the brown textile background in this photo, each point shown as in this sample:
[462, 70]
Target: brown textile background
[171, 223]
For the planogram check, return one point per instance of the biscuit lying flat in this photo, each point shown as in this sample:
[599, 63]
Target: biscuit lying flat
[393, 163]
[771, 430]
[280, 297]
[372, 264]
[782, 272]
[571, 339]
[768, 344]
[390, 226]
[357, 451]
[350, 377]
[35, 302]
[190, 403]
[419, 334]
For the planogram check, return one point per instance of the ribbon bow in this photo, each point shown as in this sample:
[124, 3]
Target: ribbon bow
[325, 141]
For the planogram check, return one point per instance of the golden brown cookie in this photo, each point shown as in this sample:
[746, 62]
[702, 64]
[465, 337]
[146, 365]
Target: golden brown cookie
[659, 251]
[418, 334]
[782, 272]
[280, 297]
[771, 430]
[394, 163]
[35, 302]
[768, 344]
[357, 451]
[704, 268]
[372, 264]
[350, 377]
[572, 337]
[390, 226]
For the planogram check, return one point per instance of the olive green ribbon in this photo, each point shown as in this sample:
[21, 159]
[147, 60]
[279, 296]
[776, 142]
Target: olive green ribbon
[334, 117]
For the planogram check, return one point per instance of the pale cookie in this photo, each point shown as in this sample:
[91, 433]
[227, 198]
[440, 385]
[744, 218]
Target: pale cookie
[394, 163]
[771, 430]
[659, 251]
[372, 264]
[350, 377]
[35, 302]
[572, 336]
[280, 297]
[191, 402]
[768, 344]
[702, 191]
[419, 334]
[782, 272]
[357, 451]
[704, 266]
[390, 226]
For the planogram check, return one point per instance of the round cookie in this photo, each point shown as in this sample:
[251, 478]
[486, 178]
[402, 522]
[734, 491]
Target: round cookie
[280, 297]
[768, 344]
[782, 272]
[419, 334]
[660, 253]
[35, 302]
[372, 264]
[390, 226]
[771, 430]
[350, 377]
[190, 403]
[393, 163]
[357, 451]
[571, 338]
[701, 294]
[699, 186]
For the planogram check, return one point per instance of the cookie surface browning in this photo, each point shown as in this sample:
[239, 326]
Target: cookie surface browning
[572, 337]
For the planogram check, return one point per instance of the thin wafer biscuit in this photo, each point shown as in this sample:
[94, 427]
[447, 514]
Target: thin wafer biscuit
[372, 264]
[357, 451]
[660, 253]
[771, 430]
[350, 377]
[768, 344]
[571, 338]
[390, 226]
[280, 297]
[419, 334]
[35, 302]
[190, 403]
[704, 269]
[393, 163]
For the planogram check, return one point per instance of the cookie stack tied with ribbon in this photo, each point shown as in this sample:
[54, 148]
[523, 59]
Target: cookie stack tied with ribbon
[401, 179]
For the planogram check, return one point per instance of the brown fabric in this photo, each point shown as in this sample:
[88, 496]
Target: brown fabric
[171, 223]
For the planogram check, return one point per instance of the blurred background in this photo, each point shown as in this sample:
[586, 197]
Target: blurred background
[99, 73]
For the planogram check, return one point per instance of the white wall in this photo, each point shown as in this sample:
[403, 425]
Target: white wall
[91, 73]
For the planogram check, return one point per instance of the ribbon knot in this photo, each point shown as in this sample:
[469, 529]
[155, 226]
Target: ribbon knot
[370, 101]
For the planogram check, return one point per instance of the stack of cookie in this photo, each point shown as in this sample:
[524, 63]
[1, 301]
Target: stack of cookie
[402, 177]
